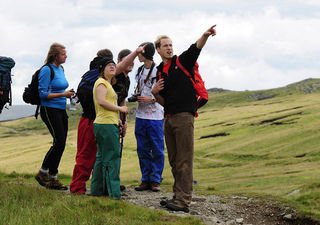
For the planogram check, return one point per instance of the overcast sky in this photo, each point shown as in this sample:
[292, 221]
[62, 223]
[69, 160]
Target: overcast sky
[259, 44]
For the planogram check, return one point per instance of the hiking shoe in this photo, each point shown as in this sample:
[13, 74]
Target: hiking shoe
[56, 184]
[42, 178]
[122, 187]
[155, 187]
[123, 194]
[176, 206]
[142, 187]
[165, 202]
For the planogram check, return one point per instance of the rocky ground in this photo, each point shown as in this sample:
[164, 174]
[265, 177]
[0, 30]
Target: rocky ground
[218, 210]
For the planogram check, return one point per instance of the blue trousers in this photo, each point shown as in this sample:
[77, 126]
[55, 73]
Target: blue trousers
[150, 149]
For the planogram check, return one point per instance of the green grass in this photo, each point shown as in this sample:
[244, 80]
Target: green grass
[260, 143]
[272, 148]
[21, 202]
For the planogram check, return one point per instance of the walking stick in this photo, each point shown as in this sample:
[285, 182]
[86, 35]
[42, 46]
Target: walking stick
[123, 121]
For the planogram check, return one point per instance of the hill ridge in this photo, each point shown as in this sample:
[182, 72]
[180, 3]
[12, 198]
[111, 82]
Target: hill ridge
[308, 85]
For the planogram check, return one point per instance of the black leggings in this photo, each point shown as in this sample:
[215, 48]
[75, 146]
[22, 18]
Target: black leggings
[56, 121]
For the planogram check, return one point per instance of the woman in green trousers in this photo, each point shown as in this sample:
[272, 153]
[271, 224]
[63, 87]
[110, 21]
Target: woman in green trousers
[105, 177]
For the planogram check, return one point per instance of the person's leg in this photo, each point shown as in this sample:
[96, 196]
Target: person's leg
[105, 178]
[170, 141]
[86, 156]
[144, 153]
[183, 124]
[56, 121]
[156, 137]
[111, 160]
[98, 180]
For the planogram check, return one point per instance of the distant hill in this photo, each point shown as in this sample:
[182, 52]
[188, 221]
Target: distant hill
[306, 86]
[225, 97]
[217, 90]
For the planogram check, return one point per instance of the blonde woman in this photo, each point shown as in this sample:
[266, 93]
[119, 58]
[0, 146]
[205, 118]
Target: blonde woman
[53, 95]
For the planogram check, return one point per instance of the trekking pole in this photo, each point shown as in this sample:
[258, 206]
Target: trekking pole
[123, 121]
[121, 144]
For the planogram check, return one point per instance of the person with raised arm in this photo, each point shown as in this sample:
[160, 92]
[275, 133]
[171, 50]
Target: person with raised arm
[175, 92]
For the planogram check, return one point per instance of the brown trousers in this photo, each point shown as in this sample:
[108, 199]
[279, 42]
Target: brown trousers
[179, 132]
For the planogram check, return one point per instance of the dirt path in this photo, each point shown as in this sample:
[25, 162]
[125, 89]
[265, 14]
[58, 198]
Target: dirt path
[217, 210]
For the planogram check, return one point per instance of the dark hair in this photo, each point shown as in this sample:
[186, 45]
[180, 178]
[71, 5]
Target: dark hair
[105, 53]
[148, 51]
[123, 53]
[103, 62]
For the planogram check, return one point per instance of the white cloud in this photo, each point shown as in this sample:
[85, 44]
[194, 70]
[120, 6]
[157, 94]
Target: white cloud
[258, 45]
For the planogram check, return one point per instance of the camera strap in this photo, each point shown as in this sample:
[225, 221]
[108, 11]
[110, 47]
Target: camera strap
[150, 71]
[140, 72]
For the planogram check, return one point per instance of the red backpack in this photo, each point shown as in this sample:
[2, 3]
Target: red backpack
[198, 84]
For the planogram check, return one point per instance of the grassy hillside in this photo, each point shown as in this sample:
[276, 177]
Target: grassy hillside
[262, 143]
[24, 203]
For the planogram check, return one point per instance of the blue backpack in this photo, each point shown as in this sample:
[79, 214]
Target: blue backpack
[85, 93]
[87, 82]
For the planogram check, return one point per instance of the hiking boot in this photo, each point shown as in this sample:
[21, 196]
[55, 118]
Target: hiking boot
[176, 206]
[142, 187]
[123, 194]
[155, 187]
[122, 187]
[56, 184]
[42, 178]
[165, 202]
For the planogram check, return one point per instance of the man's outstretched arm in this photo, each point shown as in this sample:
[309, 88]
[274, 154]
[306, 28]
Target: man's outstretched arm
[204, 37]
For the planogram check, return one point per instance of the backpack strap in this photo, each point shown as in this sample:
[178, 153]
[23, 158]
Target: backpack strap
[51, 78]
[185, 71]
[52, 71]
[37, 112]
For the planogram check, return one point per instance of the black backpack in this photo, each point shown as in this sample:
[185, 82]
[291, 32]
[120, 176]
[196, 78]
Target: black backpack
[31, 93]
[85, 93]
[6, 64]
